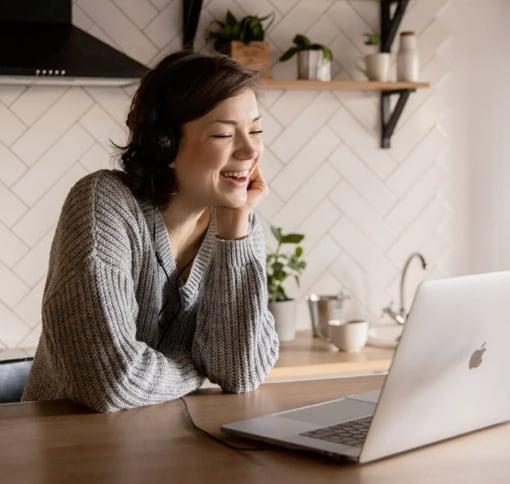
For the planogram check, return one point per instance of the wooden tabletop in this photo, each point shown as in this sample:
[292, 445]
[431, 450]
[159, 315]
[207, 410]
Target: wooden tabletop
[308, 357]
[60, 442]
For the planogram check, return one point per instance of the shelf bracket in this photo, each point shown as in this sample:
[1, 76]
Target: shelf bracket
[389, 28]
[389, 24]
[190, 16]
[389, 120]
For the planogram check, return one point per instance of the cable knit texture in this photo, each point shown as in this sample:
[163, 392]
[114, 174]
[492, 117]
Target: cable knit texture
[104, 292]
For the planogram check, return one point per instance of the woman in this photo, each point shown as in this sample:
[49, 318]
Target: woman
[157, 272]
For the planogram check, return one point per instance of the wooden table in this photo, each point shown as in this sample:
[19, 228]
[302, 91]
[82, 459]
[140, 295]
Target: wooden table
[60, 442]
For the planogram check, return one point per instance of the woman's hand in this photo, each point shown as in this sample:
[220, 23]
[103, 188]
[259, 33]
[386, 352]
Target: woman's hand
[257, 188]
[232, 223]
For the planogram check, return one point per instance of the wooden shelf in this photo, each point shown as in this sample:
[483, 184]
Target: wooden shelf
[298, 84]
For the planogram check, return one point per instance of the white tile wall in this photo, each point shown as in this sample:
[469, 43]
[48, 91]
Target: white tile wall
[362, 209]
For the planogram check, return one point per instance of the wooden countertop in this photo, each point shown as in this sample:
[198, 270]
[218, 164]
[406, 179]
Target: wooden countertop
[308, 357]
[60, 442]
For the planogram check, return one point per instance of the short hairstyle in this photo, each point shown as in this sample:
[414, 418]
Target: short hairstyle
[184, 86]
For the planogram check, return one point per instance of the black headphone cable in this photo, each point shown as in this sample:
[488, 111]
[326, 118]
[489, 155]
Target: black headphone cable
[217, 439]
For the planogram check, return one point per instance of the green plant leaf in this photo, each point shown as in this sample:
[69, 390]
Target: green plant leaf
[292, 238]
[280, 275]
[271, 16]
[231, 20]
[372, 38]
[288, 54]
[281, 295]
[277, 266]
[298, 252]
[277, 232]
[326, 51]
[301, 40]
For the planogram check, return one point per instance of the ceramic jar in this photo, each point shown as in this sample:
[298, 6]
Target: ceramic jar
[407, 58]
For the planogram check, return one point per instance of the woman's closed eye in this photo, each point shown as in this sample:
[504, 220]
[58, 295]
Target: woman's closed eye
[258, 131]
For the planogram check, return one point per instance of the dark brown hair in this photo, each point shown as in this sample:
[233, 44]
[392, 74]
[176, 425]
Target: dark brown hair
[182, 87]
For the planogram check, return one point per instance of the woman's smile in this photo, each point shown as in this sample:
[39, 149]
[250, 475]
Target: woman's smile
[237, 178]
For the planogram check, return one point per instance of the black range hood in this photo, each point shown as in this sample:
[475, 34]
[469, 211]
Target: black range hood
[39, 45]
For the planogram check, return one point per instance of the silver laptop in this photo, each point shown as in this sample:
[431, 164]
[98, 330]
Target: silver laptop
[449, 376]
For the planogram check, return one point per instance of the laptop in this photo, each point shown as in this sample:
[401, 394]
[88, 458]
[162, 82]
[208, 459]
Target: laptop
[449, 376]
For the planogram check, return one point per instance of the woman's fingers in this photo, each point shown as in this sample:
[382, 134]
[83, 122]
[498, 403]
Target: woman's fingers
[257, 189]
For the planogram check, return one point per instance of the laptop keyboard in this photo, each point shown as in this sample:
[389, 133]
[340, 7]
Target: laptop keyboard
[351, 433]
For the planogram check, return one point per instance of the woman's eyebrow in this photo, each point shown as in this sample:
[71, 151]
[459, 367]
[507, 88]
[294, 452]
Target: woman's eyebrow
[231, 121]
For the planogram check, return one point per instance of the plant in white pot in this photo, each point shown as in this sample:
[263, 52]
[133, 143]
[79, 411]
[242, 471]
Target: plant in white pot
[314, 60]
[280, 266]
[378, 63]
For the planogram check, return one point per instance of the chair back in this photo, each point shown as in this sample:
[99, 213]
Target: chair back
[13, 376]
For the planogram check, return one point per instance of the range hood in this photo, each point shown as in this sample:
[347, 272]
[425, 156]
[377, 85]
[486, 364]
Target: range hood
[39, 45]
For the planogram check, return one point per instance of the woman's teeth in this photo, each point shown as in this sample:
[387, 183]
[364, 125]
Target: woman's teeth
[236, 174]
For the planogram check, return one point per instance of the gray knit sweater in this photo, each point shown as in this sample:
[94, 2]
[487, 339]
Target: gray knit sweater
[105, 289]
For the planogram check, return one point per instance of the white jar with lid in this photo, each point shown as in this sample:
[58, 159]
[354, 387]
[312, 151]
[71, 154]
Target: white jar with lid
[407, 58]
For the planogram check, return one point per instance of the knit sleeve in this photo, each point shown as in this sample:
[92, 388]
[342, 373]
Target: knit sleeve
[89, 321]
[235, 342]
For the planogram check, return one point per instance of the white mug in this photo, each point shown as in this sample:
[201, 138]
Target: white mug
[350, 336]
[377, 66]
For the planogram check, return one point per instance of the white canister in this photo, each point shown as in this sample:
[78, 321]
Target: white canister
[407, 58]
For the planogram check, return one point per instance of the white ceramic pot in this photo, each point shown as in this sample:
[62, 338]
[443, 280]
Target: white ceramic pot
[312, 65]
[408, 64]
[284, 313]
[378, 66]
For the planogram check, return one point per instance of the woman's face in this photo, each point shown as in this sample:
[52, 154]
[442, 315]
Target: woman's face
[218, 151]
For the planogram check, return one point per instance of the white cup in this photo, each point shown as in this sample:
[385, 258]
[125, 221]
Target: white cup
[377, 66]
[350, 336]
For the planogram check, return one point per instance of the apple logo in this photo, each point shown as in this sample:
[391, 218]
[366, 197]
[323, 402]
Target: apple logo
[476, 357]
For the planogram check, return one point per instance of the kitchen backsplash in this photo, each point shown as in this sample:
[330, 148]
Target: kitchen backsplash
[362, 209]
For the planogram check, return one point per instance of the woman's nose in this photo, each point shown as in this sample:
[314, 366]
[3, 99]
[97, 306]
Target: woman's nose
[247, 151]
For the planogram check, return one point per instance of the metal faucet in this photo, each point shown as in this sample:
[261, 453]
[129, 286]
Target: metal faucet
[400, 316]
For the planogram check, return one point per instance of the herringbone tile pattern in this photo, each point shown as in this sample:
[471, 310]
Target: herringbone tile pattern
[363, 209]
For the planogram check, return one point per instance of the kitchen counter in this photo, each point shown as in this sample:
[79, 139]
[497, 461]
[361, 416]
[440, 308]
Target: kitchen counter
[307, 357]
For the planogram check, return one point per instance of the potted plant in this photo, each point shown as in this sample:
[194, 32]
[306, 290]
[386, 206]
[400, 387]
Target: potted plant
[243, 40]
[280, 266]
[373, 39]
[314, 60]
[377, 64]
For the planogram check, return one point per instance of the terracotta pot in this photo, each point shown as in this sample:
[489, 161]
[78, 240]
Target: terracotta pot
[256, 55]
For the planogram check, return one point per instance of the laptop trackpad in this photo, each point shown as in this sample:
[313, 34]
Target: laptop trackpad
[329, 413]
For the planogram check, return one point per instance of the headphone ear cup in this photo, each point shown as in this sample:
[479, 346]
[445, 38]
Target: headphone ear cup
[168, 142]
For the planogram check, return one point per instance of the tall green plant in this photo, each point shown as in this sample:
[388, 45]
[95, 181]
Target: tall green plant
[281, 265]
